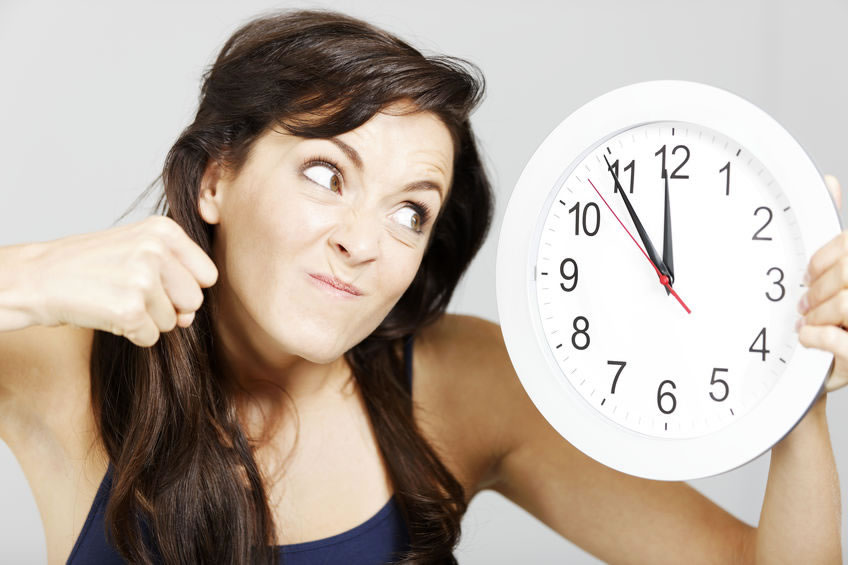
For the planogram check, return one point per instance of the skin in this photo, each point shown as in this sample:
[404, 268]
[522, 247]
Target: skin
[276, 330]
[624, 519]
[278, 220]
[271, 210]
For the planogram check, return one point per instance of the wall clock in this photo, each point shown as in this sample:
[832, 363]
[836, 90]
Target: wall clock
[649, 265]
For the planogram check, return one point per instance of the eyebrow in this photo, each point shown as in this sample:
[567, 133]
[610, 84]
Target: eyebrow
[349, 151]
[357, 161]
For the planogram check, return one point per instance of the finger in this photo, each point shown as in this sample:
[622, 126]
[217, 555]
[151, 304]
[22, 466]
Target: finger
[827, 255]
[833, 311]
[835, 381]
[180, 285]
[160, 309]
[189, 253]
[827, 338]
[185, 320]
[835, 189]
[145, 334]
[828, 284]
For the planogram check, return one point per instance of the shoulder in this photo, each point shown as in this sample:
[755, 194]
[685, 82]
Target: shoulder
[465, 391]
[503, 443]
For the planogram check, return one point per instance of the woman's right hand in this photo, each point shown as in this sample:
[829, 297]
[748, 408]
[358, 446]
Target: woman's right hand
[136, 280]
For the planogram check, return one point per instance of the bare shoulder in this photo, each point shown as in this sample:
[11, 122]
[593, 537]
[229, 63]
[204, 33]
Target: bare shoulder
[464, 391]
[491, 419]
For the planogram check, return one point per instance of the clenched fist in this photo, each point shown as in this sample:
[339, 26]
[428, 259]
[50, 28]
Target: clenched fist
[136, 280]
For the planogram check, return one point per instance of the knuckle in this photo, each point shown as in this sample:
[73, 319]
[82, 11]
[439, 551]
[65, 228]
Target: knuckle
[143, 280]
[129, 315]
[152, 246]
[115, 327]
[163, 224]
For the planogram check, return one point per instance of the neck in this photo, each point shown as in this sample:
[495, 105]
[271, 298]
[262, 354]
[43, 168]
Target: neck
[263, 374]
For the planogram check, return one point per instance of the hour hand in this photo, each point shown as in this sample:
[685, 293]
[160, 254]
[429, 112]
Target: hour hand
[649, 248]
[668, 253]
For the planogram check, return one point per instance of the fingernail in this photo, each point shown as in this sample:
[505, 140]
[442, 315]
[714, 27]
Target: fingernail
[803, 304]
[798, 323]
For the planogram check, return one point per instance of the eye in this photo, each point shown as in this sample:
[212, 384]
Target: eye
[324, 174]
[412, 218]
[420, 216]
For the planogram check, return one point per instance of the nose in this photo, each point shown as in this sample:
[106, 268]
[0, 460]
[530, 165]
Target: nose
[357, 235]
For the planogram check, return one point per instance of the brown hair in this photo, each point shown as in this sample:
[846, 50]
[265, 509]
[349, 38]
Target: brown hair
[165, 413]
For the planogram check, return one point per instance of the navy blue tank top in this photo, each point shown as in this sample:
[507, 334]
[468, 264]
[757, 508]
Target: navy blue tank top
[379, 539]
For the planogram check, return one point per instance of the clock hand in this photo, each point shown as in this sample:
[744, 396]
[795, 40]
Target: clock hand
[668, 253]
[663, 278]
[652, 253]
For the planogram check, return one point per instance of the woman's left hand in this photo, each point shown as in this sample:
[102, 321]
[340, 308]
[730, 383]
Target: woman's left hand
[825, 304]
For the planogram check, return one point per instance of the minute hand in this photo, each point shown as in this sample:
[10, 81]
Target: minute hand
[649, 247]
[668, 253]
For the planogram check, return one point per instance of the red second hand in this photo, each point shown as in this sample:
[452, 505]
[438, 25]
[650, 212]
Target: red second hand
[663, 278]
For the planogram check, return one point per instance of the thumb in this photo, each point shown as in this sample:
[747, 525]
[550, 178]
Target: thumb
[835, 190]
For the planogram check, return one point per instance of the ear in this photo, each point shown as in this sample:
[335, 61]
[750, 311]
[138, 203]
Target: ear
[834, 189]
[210, 198]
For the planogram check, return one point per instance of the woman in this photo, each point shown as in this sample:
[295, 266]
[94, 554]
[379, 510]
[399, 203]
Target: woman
[278, 419]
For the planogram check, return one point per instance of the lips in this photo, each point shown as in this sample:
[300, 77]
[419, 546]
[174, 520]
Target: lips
[337, 283]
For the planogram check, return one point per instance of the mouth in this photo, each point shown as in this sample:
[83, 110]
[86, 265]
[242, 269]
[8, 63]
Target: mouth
[337, 284]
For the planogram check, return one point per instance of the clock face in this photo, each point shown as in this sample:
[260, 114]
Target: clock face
[679, 382]
[630, 349]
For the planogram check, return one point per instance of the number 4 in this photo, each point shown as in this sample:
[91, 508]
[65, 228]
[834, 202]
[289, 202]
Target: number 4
[756, 339]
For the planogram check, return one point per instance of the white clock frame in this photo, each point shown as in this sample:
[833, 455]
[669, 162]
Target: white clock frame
[562, 406]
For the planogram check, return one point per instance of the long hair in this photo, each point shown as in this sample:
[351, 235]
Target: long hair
[186, 487]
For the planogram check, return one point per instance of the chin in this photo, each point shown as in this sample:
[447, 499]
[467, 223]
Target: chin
[321, 357]
[317, 345]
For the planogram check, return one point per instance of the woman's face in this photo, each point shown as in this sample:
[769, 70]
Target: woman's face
[348, 207]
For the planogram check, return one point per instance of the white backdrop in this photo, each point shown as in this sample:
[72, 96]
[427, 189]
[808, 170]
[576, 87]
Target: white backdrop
[94, 93]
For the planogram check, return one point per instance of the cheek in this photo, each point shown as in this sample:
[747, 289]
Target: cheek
[265, 245]
[283, 224]
[300, 217]
[397, 273]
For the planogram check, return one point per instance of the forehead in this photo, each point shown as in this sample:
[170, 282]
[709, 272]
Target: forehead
[392, 141]
[419, 136]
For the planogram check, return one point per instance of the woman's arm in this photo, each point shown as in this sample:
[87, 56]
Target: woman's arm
[15, 305]
[136, 280]
[625, 519]
[619, 518]
[801, 516]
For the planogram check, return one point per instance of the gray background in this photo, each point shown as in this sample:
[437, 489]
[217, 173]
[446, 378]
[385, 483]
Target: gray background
[93, 95]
